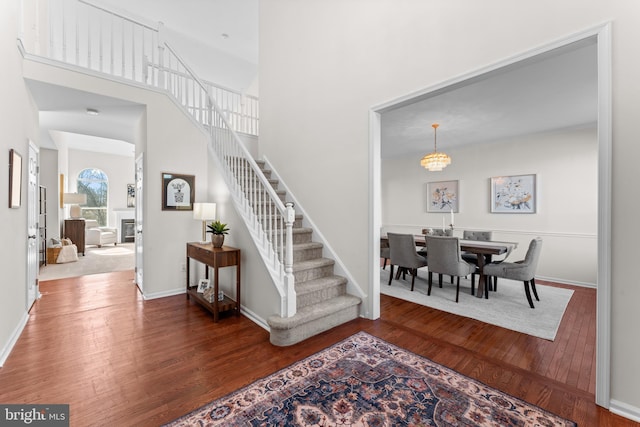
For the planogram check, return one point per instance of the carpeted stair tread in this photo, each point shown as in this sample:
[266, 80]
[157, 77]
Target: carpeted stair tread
[313, 312]
[307, 245]
[319, 284]
[312, 263]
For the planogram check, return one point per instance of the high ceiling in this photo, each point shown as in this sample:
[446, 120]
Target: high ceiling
[207, 21]
[556, 90]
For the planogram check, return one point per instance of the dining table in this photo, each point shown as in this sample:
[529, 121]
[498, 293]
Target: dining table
[485, 250]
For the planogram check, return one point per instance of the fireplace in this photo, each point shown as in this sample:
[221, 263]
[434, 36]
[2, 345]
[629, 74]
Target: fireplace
[127, 230]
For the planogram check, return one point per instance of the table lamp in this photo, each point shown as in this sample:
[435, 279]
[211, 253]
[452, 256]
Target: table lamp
[204, 212]
[75, 200]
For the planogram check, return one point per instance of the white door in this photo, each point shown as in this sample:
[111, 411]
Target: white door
[33, 240]
[139, 204]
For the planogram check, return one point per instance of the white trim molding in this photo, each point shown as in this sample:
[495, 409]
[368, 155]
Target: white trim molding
[602, 34]
[13, 338]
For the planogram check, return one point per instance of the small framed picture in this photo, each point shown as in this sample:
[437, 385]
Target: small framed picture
[177, 192]
[442, 196]
[513, 194]
[131, 195]
[15, 179]
[202, 285]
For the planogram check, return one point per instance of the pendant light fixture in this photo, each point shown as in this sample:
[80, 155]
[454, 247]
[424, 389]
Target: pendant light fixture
[435, 161]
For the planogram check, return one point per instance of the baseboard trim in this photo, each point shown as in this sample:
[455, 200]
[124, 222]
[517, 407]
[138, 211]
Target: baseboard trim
[163, 294]
[255, 318]
[6, 350]
[567, 282]
[624, 410]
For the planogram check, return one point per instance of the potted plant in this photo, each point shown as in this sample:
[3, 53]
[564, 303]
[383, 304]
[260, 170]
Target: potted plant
[217, 230]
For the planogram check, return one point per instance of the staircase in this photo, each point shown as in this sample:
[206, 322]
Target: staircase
[313, 298]
[322, 301]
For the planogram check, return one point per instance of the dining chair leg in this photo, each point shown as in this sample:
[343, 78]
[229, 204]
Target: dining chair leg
[439, 279]
[414, 273]
[391, 275]
[430, 275]
[533, 288]
[457, 289]
[385, 263]
[528, 292]
[486, 286]
[473, 284]
[452, 280]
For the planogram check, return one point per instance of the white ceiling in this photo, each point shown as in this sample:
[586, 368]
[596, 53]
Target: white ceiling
[203, 20]
[552, 91]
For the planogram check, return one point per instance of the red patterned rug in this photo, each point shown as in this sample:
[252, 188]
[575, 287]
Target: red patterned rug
[365, 381]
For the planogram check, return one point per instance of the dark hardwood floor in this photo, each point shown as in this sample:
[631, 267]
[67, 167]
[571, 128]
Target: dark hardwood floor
[94, 343]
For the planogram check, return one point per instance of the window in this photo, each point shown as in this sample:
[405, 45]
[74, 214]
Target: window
[95, 184]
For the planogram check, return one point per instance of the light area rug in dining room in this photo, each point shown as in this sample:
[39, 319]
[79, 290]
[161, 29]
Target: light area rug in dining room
[365, 381]
[508, 307]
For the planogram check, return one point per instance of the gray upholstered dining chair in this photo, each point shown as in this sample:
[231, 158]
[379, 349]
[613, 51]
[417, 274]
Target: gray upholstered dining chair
[384, 252]
[524, 270]
[478, 236]
[402, 248]
[445, 258]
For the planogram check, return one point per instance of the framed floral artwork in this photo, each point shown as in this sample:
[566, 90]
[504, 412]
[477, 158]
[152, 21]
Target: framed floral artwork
[513, 194]
[442, 196]
[177, 192]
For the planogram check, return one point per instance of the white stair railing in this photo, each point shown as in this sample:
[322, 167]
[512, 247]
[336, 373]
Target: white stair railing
[88, 36]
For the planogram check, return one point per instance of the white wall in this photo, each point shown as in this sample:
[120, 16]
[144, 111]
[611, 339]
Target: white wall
[324, 64]
[19, 124]
[566, 167]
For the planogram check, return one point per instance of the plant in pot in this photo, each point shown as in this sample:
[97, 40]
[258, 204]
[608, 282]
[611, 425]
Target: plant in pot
[217, 230]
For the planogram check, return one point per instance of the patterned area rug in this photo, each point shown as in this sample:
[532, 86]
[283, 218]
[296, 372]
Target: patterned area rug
[365, 381]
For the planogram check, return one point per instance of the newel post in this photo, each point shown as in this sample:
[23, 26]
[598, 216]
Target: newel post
[289, 280]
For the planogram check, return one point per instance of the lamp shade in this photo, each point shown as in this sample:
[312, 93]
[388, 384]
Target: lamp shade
[204, 211]
[74, 199]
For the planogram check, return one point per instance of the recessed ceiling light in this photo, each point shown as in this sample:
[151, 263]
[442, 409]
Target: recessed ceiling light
[92, 112]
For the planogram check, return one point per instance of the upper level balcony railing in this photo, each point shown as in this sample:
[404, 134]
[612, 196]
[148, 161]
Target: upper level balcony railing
[86, 35]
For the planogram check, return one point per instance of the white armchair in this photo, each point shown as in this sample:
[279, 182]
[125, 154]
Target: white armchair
[96, 235]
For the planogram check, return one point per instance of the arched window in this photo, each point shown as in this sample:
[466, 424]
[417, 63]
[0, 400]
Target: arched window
[95, 184]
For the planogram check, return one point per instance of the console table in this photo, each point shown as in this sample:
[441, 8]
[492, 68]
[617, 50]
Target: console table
[214, 258]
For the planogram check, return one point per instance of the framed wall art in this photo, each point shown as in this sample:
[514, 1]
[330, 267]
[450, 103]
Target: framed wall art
[202, 285]
[131, 195]
[15, 179]
[177, 192]
[513, 194]
[442, 196]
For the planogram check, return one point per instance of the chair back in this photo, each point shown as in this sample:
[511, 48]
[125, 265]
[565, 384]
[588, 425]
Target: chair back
[402, 248]
[444, 254]
[478, 236]
[533, 255]
[437, 232]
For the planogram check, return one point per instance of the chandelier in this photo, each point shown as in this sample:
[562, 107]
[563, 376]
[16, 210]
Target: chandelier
[435, 161]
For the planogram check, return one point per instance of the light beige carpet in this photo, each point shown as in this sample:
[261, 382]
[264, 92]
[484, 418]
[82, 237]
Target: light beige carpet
[507, 308]
[96, 260]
